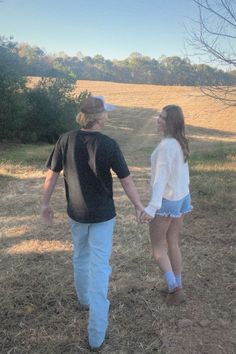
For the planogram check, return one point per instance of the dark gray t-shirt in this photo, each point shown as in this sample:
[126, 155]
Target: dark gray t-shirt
[86, 159]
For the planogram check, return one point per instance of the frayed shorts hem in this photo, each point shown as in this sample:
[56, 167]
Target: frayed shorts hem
[168, 215]
[175, 208]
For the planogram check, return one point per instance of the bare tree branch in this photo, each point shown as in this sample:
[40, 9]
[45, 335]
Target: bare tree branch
[215, 37]
[219, 94]
[204, 4]
[229, 9]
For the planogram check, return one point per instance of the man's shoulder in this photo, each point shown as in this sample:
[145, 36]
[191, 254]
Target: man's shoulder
[70, 134]
[108, 140]
[103, 139]
[106, 137]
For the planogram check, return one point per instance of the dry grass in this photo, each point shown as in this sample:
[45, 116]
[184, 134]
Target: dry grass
[39, 312]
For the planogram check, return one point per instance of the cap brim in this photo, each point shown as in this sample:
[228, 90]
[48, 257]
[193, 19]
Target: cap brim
[109, 107]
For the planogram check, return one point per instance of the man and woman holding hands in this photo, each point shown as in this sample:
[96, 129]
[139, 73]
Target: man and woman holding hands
[87, 157]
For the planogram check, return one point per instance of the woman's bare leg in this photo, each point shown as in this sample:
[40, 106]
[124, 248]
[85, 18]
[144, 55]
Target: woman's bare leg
[173, 237]
[158, 229]
[166, 230]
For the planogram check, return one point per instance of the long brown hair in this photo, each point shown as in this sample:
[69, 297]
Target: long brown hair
[175, 127]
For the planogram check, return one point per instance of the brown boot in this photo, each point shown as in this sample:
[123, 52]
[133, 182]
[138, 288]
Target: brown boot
[164, 291]
[177, 297]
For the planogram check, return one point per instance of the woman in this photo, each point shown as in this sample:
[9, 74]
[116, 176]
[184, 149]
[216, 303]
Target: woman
[170, 199]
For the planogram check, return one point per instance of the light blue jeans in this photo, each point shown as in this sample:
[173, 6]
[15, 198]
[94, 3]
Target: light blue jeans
[92, 249]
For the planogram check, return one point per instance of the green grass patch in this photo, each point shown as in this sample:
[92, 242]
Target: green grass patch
[213, 179]
[221, 153]
[25, 154]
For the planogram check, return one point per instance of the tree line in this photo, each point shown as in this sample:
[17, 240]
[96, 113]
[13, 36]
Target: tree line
[44, 112]
[137, 68]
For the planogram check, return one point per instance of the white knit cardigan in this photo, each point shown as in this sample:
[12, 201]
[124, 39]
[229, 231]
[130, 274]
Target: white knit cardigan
[169, 174]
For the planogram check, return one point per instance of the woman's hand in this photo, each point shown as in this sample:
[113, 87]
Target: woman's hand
[145, 218]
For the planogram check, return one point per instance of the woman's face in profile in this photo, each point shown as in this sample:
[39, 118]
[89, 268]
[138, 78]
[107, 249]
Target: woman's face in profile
[161, 121]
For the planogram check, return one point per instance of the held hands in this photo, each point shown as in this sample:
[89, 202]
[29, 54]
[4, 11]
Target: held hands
[142, 217]
[145, 218]
[46, 214]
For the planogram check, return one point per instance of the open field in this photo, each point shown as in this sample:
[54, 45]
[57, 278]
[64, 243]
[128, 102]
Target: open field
[38, 310]
[200, 112]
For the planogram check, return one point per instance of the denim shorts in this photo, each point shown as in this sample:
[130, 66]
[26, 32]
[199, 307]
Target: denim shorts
[175, 208]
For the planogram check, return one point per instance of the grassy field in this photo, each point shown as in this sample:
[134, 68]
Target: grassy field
[39, 312]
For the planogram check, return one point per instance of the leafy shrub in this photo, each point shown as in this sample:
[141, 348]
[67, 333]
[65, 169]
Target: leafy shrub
[39, 114]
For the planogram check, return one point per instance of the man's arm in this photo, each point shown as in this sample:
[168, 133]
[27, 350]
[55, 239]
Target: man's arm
[49, 186]
[132, 193]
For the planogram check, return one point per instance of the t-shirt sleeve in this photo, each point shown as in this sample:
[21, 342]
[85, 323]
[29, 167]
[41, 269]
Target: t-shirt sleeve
[54, 161]
[118, 163]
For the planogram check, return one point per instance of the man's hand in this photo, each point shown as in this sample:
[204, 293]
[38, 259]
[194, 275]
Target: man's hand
[138, 213]
[145, 218]
[46, 214]
[132, 193]
[49, 185]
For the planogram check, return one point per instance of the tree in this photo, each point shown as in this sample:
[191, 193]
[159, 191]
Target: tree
[178, 71]
[52, 110]
[215, 37]
[31, 54]
[13, 103]
[39, 114]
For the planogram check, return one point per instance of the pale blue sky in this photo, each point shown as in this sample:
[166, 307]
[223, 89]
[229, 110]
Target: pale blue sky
[112, 28]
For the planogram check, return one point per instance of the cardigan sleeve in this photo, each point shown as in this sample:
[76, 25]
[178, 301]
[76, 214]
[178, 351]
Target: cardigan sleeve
[161, 169]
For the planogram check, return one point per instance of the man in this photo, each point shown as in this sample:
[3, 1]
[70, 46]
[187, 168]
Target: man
[86, 157]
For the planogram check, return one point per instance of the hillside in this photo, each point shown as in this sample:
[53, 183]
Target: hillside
[200, 111]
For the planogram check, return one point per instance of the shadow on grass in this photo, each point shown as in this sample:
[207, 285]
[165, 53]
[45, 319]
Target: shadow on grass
[5, 179]
[206, 132]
